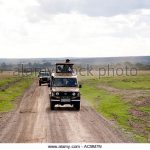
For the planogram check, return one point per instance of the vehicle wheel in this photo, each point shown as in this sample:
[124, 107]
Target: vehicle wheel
[52, 105]
[39, 83]
[77, 106]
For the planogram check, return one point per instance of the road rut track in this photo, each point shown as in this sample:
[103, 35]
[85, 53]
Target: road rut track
[34, 122]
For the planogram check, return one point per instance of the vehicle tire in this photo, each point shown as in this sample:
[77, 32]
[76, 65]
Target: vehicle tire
[77, 106]
[52, 105]
[39, 83]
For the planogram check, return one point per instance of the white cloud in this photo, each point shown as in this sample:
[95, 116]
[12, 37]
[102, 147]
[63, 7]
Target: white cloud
[23, 33]
[92, 7]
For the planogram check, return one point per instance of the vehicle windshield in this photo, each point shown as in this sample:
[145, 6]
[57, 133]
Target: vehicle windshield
[44, 74]
[64, 82]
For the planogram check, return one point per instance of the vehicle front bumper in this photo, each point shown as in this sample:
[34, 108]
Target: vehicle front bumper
[59, 101]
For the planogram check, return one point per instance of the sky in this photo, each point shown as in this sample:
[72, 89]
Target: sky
[74, 28]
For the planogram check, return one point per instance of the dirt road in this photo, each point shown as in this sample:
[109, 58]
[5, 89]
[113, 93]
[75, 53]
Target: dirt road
[33, 121]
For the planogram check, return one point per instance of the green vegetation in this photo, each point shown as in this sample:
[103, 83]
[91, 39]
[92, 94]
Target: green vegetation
[8, 96]
[109, 105]
[145, 109]
[131, 114]
[7, 80]
[128, 82]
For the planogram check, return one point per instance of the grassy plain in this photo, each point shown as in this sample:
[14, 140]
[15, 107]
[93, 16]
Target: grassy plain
[11, 88]
[123, 99]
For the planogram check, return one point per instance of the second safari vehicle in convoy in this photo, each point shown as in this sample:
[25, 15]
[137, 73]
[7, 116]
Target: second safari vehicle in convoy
[44, 77]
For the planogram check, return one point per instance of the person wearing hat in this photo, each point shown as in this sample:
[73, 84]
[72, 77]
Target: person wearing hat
[67, 68]
[67, 60]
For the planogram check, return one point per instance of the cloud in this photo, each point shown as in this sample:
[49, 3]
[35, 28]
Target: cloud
[77, 35]
[92, 7]
[29, 30]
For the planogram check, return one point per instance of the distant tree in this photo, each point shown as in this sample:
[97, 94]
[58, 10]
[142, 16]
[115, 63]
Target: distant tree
[3, 66]
[139, 65]
[29, 65]
[128, 64]
[146, 67]
[47, 64]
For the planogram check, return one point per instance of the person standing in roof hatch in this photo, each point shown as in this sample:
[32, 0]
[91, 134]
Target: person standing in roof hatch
[67, 60]
[67, 68]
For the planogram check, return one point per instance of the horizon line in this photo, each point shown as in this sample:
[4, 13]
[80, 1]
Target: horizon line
[75, 57]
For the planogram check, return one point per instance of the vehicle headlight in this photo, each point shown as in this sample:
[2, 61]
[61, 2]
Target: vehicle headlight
[73, 94]
[52, 94]
[57, 93]
[78, 94]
